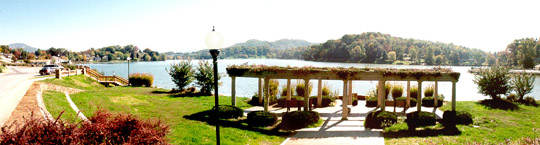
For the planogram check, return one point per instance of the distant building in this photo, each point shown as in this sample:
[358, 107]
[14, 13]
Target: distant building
[537, 67]
[41, 62]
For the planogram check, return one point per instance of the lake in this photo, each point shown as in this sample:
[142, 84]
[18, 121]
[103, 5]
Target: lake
[246, 87]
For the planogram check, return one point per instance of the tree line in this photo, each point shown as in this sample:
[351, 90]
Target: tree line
[109, 53]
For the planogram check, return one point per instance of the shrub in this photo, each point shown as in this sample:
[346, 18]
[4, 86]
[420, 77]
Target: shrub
[522, 83]
[141, 79]
[326, 100]
[380, 119]
[512, 97]
[429, 91]
[451, 118]
[387, 87]
[371, 102]
[254, 101]
[493, 81]
[429, 101]
[229, 111]
[529, 101]
[419, 119]
[299, 119]
[205, 77]
[414, 91]
[273, 85]
[300, 85]
[412, 101]
[102, 128]
[397, 91]
[181, 73]
[325, 89]
[284, 90]
[261, 118]
[71, 67]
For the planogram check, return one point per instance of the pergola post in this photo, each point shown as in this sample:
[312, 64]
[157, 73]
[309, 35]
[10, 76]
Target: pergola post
[288, 89]
[453, 96]
[350, 92]
[233, 90]
[408, 103]
[319, 94]
[419, 97]
[266, 94]
[435, 95]
[306, 95]
[260, 91]
[381, 93]
[344, 103]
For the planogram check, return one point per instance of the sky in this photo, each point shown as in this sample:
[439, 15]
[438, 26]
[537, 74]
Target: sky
[182, 25]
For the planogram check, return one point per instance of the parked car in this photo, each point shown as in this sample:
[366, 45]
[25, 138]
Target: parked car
[49, 69]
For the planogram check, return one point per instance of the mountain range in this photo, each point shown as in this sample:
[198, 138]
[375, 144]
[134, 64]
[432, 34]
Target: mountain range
[23, 46]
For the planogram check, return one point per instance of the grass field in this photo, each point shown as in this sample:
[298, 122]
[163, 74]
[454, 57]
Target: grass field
[491, 126]
[156, 103]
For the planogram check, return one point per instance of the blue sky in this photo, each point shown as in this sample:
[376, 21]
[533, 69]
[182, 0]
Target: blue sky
[181, 26]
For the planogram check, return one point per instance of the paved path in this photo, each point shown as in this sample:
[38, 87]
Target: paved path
[13, 86]
[337, 131]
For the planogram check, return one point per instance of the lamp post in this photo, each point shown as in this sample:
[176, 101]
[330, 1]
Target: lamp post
[214, 40]
[128, 58]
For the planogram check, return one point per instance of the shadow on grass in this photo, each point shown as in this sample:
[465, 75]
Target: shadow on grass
[175, 94]
[499, 104]
[208, 117]
[423, 133]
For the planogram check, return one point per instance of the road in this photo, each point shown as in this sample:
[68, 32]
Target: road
[13, 86]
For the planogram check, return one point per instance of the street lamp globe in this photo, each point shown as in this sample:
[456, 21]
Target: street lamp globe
[214, 40]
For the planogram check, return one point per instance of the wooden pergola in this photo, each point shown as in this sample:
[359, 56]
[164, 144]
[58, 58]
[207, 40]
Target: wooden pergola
[347, 75]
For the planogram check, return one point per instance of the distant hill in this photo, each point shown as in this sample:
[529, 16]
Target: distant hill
[24, 46]
[252, 49]
[279, 44]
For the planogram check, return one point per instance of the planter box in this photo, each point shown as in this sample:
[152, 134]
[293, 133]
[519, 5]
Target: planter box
[398, 103]
[292, 103]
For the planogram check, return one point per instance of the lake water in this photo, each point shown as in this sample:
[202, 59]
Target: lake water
[246, 87]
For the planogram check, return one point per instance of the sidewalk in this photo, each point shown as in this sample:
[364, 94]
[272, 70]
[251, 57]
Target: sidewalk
[14, 85]
[337, 131]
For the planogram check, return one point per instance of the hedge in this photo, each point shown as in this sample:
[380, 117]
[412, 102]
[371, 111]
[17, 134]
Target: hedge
[419, 119]
[380, 119]
[261, 118]
[299, 119]
[451, 118]
[229, 111]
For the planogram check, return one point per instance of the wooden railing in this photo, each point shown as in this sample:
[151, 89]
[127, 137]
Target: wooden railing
[106, 79]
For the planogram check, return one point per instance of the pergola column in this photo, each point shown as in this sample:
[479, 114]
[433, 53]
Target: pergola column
[266, 94]
[260, 91]
[350, 92]
[288, 89]
[344, 100]
[453, 96]
[306, 95]
[408, 103]
[419, 97]
[381, 94]
[435, 94]
[319, 94]
[233, 90]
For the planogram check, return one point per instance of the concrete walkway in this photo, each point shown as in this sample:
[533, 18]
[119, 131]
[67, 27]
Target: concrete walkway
[15, 83]
[337, 131]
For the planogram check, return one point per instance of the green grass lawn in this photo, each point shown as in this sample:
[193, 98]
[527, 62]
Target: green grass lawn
[491, 126]
[156, 103]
